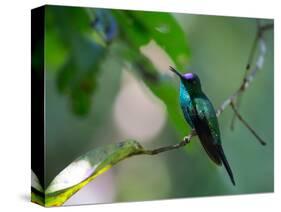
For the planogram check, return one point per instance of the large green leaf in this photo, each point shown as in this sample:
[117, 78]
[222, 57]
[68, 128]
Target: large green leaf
[139, 27]
[84, 169]
[165, 30]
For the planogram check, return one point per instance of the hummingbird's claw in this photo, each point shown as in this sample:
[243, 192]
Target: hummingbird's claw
[187, 139]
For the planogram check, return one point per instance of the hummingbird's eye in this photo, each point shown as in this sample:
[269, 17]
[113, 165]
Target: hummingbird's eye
[191, 80]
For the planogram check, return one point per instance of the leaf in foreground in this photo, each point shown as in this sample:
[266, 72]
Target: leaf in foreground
[83, 170]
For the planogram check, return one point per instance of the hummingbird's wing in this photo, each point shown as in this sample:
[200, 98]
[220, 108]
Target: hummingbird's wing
[207, 128]
[207, 140]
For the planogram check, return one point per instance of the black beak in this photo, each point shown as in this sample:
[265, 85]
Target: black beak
[176, 72]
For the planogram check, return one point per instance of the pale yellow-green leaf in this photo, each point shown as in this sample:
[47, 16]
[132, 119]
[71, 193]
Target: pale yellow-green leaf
[83, 170]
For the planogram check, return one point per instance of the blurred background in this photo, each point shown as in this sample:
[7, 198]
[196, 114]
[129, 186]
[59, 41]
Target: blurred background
[107, 80]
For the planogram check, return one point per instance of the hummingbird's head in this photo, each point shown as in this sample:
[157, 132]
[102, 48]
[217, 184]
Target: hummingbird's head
[190, 80]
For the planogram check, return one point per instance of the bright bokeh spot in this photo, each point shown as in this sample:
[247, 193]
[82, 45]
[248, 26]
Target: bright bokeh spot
[138, 114]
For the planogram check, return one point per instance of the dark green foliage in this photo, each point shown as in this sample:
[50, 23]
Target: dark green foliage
[78, 39]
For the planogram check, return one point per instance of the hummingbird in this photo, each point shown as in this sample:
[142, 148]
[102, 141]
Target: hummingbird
[200, 114]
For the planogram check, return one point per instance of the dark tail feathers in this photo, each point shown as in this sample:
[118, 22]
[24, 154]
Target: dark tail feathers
[226, 165]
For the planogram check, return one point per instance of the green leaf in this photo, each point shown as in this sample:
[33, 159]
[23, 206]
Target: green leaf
[131, 31]
[77, 78]
[66, 77]
[80, 102]
[68, 20]
[138, 28]
[73, 51]
[56, 53]
[164, 29]
[84, 169]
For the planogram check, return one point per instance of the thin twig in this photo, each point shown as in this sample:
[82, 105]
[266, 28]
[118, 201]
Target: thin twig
[231, 99]
[259, 62]
[184, 142]
[246, 124]
[248, 67]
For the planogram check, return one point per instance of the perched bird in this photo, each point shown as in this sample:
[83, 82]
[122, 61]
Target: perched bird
[201, 116]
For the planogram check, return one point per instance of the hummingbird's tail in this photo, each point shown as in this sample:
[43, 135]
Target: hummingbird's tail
[225, 163]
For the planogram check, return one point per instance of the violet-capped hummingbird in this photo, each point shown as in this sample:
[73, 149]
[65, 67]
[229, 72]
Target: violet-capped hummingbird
[201, 116]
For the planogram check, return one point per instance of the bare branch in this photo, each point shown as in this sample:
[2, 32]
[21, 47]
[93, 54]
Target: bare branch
[248, 67]
[251, 71]
[184, 142]
[247, 125]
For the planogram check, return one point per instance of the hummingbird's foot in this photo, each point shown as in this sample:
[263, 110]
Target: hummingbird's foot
[187, 139]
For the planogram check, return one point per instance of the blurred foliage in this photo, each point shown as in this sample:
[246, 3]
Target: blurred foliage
[76, 79]
[77, 40]
[85, 52]
[138, 28]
